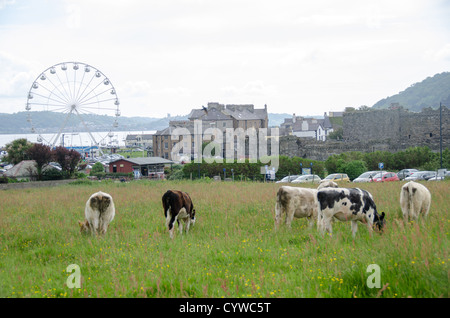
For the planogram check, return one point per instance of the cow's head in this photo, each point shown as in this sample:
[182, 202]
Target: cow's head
[379, 221]
[84, 227]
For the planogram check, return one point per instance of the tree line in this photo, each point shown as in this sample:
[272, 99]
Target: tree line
[352, 163]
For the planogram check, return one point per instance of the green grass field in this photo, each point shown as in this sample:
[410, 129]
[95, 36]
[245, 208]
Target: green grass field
[232, 251]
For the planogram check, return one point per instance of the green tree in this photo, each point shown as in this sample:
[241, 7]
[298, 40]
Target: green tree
[337, 134]
[354, 168]
[17, 150]
[97, 168]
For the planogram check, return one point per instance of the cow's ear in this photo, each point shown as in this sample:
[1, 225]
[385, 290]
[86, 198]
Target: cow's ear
[382, 215]
[80, 223]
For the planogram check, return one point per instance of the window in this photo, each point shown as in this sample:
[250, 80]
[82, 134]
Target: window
[166, 145]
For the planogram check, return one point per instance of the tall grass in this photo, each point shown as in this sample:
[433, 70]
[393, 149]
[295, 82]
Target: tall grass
[232, 251]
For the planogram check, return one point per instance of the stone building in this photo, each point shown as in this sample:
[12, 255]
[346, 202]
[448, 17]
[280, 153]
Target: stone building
[143, 141]
[162, 142]
[215, 115]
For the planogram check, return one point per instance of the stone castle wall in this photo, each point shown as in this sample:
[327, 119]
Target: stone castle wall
[368, 131]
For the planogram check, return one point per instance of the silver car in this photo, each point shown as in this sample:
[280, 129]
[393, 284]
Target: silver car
[307, 178]
[366, 176]
[421, 175]
[288, 179]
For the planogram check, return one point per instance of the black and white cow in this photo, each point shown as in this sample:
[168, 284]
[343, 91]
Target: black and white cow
[178, 206]
[347, 205]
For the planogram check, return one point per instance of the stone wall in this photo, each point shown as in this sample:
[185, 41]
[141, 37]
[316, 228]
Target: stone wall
[34, 184]
[368, 131]
[320, 150]
[398, 126]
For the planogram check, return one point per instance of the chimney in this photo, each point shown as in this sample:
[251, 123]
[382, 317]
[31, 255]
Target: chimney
[293, 118]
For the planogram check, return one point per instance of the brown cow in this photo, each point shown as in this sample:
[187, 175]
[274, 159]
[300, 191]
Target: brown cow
[178, 205]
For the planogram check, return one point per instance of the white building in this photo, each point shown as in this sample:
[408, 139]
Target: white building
[302, 127]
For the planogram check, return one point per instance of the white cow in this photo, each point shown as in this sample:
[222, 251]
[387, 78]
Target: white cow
[327, 184]
[347, 205]
[295, 201]
[99, 212]
[415, 199]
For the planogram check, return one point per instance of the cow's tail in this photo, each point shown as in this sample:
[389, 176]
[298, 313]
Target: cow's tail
[166, 202]
[279, 206]
[411, 208]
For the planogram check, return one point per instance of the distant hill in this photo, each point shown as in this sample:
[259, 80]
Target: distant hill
[428, 93]
[50, 122]
[277, 119]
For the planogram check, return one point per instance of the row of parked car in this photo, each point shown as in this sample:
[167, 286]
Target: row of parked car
[314, 178]
[369, 176]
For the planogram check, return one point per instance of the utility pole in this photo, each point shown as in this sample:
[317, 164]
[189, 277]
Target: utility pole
[440, 131]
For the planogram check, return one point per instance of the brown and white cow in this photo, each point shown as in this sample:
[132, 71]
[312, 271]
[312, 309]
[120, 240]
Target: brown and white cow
[347, 205]
[295, 202]
[415, 199]
[178, 206]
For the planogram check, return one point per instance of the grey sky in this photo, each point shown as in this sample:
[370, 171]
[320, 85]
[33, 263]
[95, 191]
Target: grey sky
[303, 57]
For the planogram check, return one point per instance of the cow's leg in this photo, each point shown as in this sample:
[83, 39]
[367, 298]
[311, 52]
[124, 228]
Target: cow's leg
[320, 221]
[354, 228]
[170, 220]
[369, 223]
[404, 205]
[93, 225]
[278, 211]
[326, 224]
[311, 221]
[168, 217]
[188, 223]
[289, 216]
[180, 226]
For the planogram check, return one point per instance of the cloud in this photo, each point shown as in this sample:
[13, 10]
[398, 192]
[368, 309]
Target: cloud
[442, 54]
[4, 3]
[249, 91]
[16, 76]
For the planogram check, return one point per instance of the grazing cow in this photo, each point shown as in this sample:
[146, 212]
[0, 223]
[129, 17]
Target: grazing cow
[347, 205]
[415, 199]
[298, 202]
[178, 205]
[99, 212]
[327, 184]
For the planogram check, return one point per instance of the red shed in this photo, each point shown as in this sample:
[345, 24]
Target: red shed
[144, 166]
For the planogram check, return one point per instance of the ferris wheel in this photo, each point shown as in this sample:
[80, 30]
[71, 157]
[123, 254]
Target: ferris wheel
[76, 91]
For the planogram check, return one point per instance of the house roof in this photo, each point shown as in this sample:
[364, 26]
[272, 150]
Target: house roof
[246, 114]
[313, 124]
[217, 111]
[146, 161]
[25, 169]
